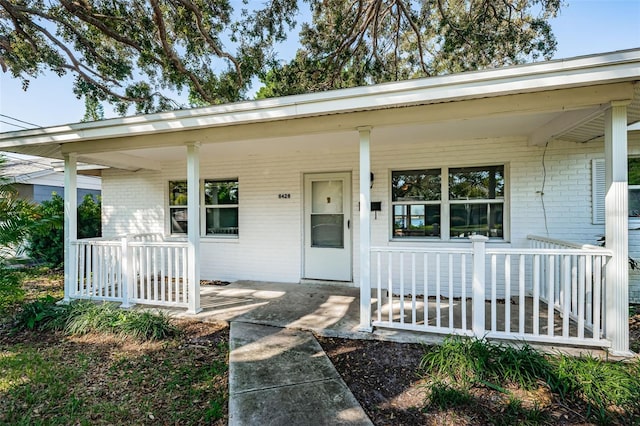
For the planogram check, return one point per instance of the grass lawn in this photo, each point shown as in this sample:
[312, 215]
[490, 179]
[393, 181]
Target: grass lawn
[77, 375]
[53, 378]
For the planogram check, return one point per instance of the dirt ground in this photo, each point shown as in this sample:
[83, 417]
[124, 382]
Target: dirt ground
[383, 377]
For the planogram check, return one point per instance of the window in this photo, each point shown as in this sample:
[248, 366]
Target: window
[476, 196]
[416, 198]
[448, 203]
[219, 199]
[221, 207]
[178, 207]
[599, 188]
[634, 187]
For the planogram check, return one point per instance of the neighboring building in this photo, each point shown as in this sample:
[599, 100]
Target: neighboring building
[459, 189]
[37, 179]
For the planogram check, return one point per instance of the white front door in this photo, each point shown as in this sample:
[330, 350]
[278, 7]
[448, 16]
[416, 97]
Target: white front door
[327, 230]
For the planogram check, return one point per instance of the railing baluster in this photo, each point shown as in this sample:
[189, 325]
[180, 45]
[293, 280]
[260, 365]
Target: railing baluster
[507, 293]
[413, 289]
[597, 286]
[185, 284]
[163, 282]
[566, 309]
[379, 286]
[574, 285]
[390, 286]
[494, 284]
[536, 295]
[581, 290]
[551, 292]
[90, 276]
[83, 270]
[437, 290]
[589, 290]
[463, 295]
[170, 265]
[401, 288]
[425, 293]
[451, 301]
[521, 293]
[147, 254]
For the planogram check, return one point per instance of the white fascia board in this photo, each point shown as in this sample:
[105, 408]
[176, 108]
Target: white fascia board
[27, 177]
[582, 71]
[57, 179]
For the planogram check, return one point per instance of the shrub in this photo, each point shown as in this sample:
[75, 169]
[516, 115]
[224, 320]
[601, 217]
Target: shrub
[467, 361]
[89, 217]
[46, 238]
[11, 291]
[42, 314]
[599, 383]
[83, 317]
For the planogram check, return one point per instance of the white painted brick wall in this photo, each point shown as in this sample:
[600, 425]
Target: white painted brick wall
[270, 243]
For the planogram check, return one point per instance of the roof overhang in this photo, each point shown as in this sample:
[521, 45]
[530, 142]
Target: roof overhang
[576, 90]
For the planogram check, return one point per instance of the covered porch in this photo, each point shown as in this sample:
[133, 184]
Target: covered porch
[496, 282]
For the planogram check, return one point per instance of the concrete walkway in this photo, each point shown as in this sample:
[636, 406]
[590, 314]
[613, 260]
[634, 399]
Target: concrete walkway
[282, 376]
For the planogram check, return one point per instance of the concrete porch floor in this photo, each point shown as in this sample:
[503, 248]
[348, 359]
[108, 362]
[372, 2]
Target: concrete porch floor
[327, 310]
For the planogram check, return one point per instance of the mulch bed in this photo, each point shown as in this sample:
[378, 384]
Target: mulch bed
[384, 378]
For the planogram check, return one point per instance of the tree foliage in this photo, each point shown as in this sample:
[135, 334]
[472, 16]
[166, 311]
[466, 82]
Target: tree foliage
[140, 52]
[132, 52]
[360, 42]
[46, 237]
[16, 216]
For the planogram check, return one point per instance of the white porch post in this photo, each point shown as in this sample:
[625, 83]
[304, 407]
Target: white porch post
[365, 229]
[193, 227]
[616, 218]
[478, 284]
[70, 221]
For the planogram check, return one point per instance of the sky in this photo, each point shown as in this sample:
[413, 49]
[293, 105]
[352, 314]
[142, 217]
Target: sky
[583, 27]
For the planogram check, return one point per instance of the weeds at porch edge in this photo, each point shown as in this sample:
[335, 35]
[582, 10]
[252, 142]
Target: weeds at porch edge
[609, 390]
[83, 317]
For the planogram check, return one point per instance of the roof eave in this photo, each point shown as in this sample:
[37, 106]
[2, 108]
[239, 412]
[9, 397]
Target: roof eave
[582, 71]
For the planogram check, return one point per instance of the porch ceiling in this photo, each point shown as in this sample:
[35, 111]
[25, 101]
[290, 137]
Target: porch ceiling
[562, 99]
[594, 129]
[520, 115]
[347, 140]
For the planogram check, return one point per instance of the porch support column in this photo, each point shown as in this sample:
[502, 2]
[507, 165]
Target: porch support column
[616, 327]
[365, 229]
[193, 227]
[70, 221]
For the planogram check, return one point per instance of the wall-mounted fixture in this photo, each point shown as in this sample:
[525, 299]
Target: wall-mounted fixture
[371, 177]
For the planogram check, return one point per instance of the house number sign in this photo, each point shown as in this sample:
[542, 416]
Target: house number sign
[284, 196]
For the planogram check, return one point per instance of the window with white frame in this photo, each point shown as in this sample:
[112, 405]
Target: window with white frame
[634, 187]
[219, 201]
[221, 207]
[448, 203]
[599, 188]
[178, 207]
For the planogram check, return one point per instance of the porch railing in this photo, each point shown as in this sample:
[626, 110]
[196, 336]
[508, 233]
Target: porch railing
[142, 269]
[544, 294]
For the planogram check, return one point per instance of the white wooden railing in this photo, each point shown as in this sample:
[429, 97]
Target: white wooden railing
[547, 294]
[142, 269]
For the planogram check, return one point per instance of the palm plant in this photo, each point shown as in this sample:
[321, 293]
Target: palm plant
[16, 215]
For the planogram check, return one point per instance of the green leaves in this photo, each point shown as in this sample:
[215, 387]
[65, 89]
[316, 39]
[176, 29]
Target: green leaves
[137, 52]
[373, 41]
[133, 53]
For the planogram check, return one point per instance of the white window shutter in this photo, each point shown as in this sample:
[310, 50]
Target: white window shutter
[598, 189]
